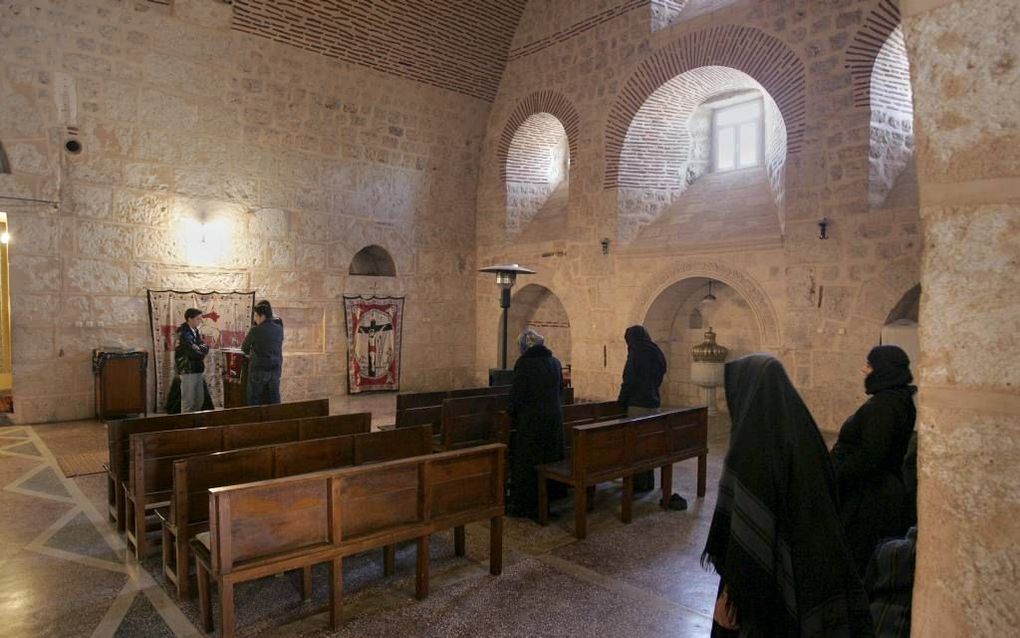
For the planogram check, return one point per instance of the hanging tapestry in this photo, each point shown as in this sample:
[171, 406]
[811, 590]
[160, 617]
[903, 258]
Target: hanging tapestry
[226, 317]
[373, 342]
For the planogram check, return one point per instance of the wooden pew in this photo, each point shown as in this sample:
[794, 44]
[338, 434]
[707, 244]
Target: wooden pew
[117, 433]
[619, 448]
[153, 454]
[193, 476]
[429, 415]
[407, 400]
[584, 413]
[270, 527]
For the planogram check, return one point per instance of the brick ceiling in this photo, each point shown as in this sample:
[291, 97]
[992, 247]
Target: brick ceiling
[460, 45]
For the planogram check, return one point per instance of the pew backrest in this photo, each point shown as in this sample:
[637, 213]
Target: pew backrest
[429, 415]
[343, 511]
[408, 400]
[607, 447]
[153, 454]
[119, 432]
[377, 447]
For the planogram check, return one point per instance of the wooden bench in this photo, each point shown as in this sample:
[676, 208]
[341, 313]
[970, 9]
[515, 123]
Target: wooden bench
[193, 476]
[274, 526]
[153, 454]
[585, 413]
[117, 433]
[619, 448]
[408, 400]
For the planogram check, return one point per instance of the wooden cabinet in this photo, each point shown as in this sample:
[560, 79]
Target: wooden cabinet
[120, 382]
[235, 378]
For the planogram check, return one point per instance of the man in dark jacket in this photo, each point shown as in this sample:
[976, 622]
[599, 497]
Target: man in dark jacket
[188, 359]
[639, 392]
[538, 421]
[264, 347]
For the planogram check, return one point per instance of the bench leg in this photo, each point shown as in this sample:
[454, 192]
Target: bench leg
[702, 471]
[167, 568]
[496, 545]
[421, 577]
[543, 500]
[306, 583]
[121, 507]
[336, 593]
[111, 498]
[581, 513]
[183, 568]
[666, 478]
[459, 543]
[226, 608]
[204, 598]
[627, 507]
[389, 560]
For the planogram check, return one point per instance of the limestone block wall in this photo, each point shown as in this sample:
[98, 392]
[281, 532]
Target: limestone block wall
[965, 77]
[818, 304]
[216, 160]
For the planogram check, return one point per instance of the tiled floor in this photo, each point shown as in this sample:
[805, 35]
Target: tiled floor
[65, 572]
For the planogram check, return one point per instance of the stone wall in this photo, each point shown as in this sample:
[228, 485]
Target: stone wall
[965, 75]
[293, 162]
[818, 304]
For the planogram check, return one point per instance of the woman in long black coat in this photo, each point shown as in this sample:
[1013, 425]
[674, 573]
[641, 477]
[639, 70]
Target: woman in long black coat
[538, 421]
[776, 539]
[868, 456]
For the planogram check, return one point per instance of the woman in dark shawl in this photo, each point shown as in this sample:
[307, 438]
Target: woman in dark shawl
[869, 455]
[776, 539]
[535, 405]
[639, 392]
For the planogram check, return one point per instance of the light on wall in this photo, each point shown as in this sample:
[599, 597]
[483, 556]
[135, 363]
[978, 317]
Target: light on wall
[205, 242]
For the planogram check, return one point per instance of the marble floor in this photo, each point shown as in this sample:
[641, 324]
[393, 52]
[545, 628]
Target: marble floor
[64, 571]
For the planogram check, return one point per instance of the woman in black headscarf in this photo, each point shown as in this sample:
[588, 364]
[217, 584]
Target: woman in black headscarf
[868, 456]
[535, 405]
[639, 392]
[776, 539]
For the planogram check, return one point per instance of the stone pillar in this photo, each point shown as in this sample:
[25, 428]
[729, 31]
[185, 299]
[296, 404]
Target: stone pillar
[964, 58]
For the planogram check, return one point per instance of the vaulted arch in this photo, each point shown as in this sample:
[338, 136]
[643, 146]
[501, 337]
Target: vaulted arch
[539, 102]
[766, 59]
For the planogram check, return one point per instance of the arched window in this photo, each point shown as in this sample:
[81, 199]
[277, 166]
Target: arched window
[537, 171]
[373, 261]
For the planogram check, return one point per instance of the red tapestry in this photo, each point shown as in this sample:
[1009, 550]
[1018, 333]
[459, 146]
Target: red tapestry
[373, 342]
[226, 317]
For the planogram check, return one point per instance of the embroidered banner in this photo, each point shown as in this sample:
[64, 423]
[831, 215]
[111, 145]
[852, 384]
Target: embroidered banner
[373, 342]
[226, 317]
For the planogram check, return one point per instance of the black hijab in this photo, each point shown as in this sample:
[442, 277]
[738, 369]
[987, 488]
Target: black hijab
[639, 343]
[776, 539]
[890, 368]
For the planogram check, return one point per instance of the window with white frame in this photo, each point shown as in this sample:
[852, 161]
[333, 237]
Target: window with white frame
[737, 136]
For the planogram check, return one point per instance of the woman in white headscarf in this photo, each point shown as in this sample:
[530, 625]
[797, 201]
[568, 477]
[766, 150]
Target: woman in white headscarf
[538, 421]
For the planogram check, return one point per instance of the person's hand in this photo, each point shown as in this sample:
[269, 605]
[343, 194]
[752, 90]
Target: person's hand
[725, 616]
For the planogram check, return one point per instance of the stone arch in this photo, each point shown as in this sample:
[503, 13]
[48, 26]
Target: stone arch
[763, 57]
[880, 72]
[373, 261]
[745, 285]
[545, 101]
[538, 307]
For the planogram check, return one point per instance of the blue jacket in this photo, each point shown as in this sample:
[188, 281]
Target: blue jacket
[264, 346]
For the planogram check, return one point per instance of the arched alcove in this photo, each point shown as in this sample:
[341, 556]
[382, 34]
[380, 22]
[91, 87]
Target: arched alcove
[537, 307]
[668, 320]
[668, 190]
[537, 174]
[877, 60]
[373, 261]
[5, 164]
[901, 326]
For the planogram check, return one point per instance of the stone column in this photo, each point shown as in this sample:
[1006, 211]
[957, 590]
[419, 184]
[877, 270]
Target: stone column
[964, 58]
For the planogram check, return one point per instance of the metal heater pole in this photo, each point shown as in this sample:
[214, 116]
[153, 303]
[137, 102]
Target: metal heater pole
[504, 303]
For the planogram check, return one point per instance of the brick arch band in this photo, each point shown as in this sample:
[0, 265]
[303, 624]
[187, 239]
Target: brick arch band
[539, 102]
[863, 51]
[763, 57]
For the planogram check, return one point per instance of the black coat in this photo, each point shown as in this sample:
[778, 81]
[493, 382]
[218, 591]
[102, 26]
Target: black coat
[190, 351]
[643, 372]
[868, 459]
[264, 346]
[535, 405]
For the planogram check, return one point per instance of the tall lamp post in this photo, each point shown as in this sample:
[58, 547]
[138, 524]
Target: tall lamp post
[506, 276]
